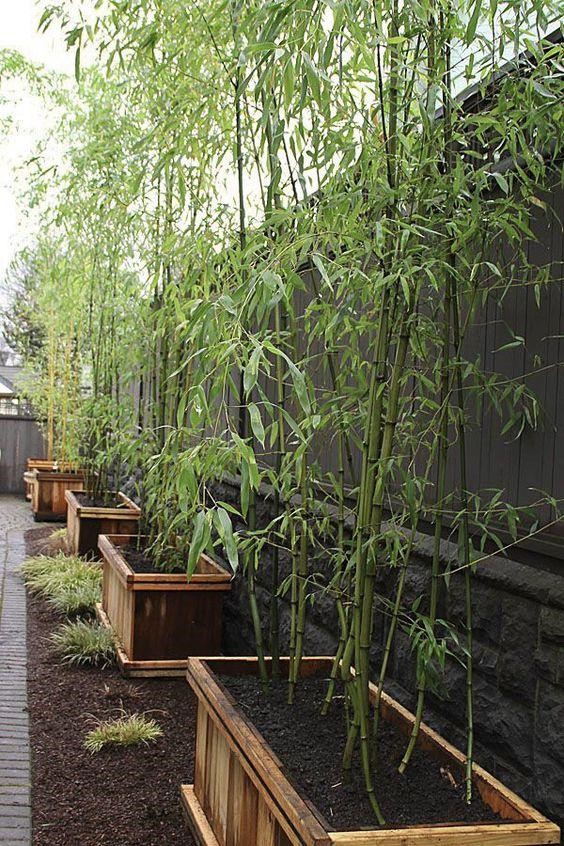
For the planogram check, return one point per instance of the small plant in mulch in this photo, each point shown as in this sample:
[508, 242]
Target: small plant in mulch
[83, 643]
[71, 585]
[126, 730]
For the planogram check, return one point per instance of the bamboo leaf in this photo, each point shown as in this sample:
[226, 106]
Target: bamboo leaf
[250, 375]
[200, 539]
[186, 481]
[473, 22]
[225, 531]
[300, 387]
[256, 423]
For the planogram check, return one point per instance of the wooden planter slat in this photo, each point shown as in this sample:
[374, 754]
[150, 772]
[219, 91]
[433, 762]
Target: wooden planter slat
[31, 465]
[517, 834]
[86, 522]
[160, 619]
[48, 488]
[140, 669]
[236, 769]
[202, 830]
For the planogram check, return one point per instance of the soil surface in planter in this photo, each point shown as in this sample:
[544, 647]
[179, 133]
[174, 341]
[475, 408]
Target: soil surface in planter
[142, 561]
[119, 796]
[310, 747]
[99, 502]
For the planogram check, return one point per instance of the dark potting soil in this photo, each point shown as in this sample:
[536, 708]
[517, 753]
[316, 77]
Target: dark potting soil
[99, 502]
[120, 796]
[141, 561]
[310, 747]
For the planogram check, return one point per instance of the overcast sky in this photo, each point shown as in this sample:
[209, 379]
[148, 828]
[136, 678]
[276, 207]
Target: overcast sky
[18, 31]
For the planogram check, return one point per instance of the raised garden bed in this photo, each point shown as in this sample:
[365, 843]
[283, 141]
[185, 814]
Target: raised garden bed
[244, 795]
[35, 464]
[48, 488]
[160, 619]
[87, 520]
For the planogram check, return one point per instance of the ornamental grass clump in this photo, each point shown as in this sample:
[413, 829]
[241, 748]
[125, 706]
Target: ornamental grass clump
[71, 585]
[82, 643]
[126, 730]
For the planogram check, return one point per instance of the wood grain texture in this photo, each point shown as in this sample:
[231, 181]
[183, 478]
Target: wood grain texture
[85, 523]
[141, 669]
[48, 493]
[242, 788]
[35, 464]
[196, 818]
[516, 834]
[161, 619]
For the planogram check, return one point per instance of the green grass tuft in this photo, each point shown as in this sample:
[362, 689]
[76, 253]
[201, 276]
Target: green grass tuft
[71, 585]
[82, 643]
[126, 730]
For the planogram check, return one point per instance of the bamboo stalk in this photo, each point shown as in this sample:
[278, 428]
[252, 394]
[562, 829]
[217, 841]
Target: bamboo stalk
[302, 580]
[343, 624]
[243, 409]
[439, 504]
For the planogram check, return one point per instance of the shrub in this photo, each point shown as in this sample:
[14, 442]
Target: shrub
[126, 730]
[82, 643]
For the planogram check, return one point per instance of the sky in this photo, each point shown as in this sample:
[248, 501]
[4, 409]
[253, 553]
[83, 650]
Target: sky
[31, 118]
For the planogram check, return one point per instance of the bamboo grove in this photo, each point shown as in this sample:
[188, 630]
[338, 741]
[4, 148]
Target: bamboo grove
[273, 230]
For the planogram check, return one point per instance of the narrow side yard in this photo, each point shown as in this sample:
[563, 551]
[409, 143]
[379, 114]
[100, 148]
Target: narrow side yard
[119, 795]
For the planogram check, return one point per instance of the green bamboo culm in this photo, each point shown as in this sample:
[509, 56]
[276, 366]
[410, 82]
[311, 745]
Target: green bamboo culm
[244, 428]
[439, 510]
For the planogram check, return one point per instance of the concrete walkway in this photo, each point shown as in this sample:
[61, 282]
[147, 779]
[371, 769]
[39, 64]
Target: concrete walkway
[15, 765]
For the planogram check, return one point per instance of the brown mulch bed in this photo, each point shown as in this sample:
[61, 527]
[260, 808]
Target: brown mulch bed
[118, 796]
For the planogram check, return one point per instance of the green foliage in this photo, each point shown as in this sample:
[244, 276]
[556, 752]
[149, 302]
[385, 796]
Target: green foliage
[127, 730]
[20, 323]
[84, 643]
[273, 231]
[70, 585]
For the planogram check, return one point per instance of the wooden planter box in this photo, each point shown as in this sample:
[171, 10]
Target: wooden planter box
[242, 797]
[48, 489]
[35, 464]
[160, 619]
[86, 522]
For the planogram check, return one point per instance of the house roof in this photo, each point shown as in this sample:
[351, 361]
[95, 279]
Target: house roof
[8, 375]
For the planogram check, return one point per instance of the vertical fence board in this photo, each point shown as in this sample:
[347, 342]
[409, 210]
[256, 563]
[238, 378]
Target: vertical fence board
[20, 439]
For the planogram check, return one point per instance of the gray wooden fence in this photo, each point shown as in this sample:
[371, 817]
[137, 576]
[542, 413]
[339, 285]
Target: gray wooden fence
[20, 438]
[528, 467]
